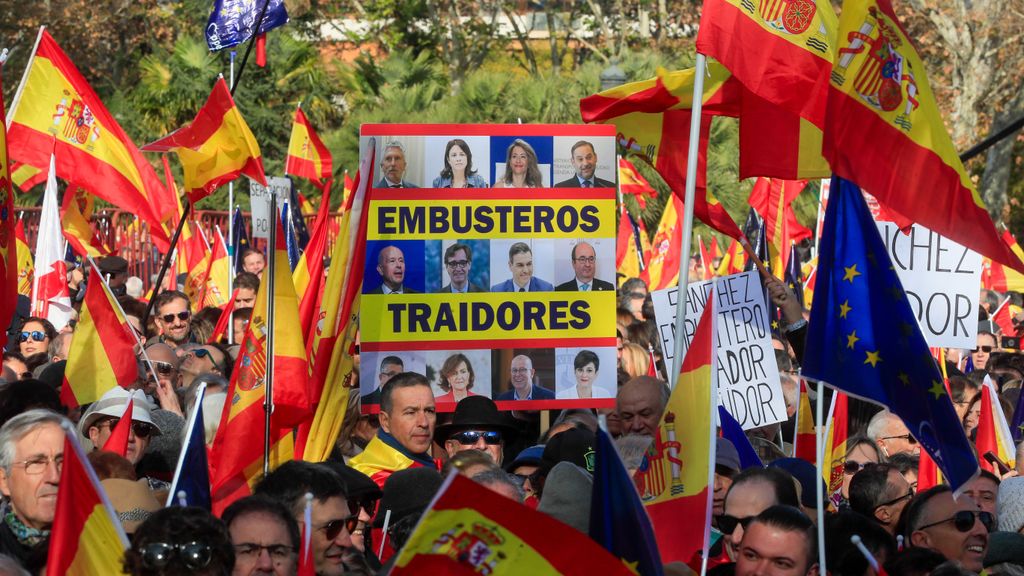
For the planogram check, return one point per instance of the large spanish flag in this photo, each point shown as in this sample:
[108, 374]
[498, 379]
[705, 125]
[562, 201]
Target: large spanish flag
[781, 50]
[307, 156]
[674, 479]
[58, 112]
[216, 147]
[469, 529]
[25, 264]
[102, 349]
[87, 537]
[664, 260]
[75, 213]
[884, 132]
[8, 238]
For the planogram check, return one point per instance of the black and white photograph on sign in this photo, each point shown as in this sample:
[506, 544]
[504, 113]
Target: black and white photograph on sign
[457, 162]
[522, 265]
[584, 163]
[455, 375]
[582, 373]
[379, 367]
[399, 162]
[584, 264]
[458, 266]
[749, 385]
[523, 374]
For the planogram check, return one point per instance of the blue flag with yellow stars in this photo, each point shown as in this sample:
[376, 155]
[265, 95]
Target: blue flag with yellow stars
[863, 337]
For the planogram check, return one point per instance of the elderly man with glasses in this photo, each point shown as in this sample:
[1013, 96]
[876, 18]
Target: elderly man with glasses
[31, 455]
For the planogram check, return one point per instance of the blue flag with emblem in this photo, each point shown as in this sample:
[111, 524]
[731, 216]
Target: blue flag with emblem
[239, 240]
[863, 337]
[192, 475]
[733, 432]
[618, 520]
[234, 21]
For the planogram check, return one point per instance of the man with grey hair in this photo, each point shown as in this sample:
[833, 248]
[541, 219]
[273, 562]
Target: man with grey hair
[891, 435]
[502, 483]
[31, 456]
[59, 346]
[640, 403]
[392, 166]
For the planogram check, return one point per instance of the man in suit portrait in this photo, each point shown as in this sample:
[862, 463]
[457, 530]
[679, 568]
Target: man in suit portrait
[390, 366]
[523, 387]
[520, 263]
[392, 165]
[584, 263]
[458, 260]
[391, 267]
[584, 162]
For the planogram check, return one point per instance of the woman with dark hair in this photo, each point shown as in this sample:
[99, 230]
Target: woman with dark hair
[521, 169]
[180, 541]
[586, 366]
[457, 378]
[35, 335]
[458, 167]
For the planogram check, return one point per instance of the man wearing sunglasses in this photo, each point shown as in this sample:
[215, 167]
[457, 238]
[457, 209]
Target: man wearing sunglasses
[753, 491]
[476, 425]
[173, 318]
[982, 352]
[891, 435]
[203, 358]
[958, 529]
[100, 419]
[881, 493]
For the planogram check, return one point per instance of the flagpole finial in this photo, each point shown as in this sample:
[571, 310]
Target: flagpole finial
[182, 498]
[4, 55]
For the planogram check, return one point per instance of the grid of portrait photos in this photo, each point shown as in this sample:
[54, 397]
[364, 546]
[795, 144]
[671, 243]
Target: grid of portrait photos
[490, 263]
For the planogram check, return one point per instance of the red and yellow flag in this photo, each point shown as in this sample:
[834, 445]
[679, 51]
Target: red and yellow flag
[734, 260]
[675, 478]
[218, 273]
[885, 133]
[25, 266]
[59, 113]
[194, 259]
[120, 434]
[633, 183]
[25, 176]
[469, 529]
[993, 430]
[706, 264]
[102, 351]
[216, 147]
[87, 537]
[995, 276]
[772, 198]
[308, 157]
[664, 260]
[835, 444]
[803, 442]
[781, 51]
[75, 213]
[8, 237]
[631, 245]
[308, 276]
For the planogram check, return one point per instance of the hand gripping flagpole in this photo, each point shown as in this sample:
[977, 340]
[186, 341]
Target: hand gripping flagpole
[691, 187]
[268, 400]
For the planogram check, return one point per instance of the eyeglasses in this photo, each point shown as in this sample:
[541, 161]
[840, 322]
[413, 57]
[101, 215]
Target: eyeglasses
[35, 335]
[37, 465]
[520, 370]
[278, 552]
[204, 353]
[164, 368]
[910, 439]
[586, 259]
[963, 521]
[333, 528]
[852, 466]
[906, 496]
[457, 263]
[470, 437]
[141, 429]
[365, 503]
[195, 555]
[985, 349]
[168, 318]
[727, 524]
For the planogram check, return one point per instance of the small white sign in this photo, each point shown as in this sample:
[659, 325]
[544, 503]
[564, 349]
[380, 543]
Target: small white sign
[259, 198]
[748, 376]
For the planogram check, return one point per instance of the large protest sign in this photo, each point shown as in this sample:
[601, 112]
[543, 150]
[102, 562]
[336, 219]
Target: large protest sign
[489, 268]
[259, 201]
[748, 376]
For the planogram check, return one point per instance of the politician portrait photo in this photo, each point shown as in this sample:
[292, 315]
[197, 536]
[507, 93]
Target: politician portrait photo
[584, 162]
[458, 162]
[394, 267]
[462, 266]
[527, 376]
[526, 267]
[583, 373]
[521, 161]
[378, 367]
[397, 160]
[588, 263]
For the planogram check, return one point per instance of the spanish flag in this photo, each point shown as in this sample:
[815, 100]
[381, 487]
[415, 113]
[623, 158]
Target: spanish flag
[218, 274]
[215, 148]
[734, 260]
[995, 276]
[676, 475]
[993, 430]
[8, 226]
[804, 444]
[25, 265]
[664, 261]
[633, 183]
[308, 276]
[194, 259]
[773, 198]
[102, 349]
[631, 245]
[120, 435]
[87, 537]
[469, 529]
[57, 107]
[25, 176]
[75, 213]
[835, 444]
[707, 267]
[307, 156]
[885, 133]
[331, 347]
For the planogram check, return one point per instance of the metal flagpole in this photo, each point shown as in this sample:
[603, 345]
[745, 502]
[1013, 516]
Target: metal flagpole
[268, 400]
[691, 187]
[820, 453]
[231, 223]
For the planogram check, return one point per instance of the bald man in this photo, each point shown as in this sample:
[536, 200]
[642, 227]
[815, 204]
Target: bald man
[640, 404]
[523, 385]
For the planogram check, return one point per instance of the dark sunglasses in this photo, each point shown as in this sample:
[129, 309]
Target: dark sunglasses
[470, 437]
[333, 528]
[141, 429]
[364, 503]
[985, 349]
[157, 555]
[963, 521]
[852, 466]
[906, 496]
[909, 438]
[36, 335]
[168, 318]
[164, 368]
[727, 524]
[204, 353]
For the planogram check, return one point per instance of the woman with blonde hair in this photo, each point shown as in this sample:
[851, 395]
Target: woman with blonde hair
[635, 360]
[521, 169]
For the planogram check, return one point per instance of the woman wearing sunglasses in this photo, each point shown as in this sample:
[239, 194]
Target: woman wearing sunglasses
[35, 336]
[178, 542]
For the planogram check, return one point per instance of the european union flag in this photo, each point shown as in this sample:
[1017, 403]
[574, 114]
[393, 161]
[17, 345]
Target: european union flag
[234, 21]
[299, 227]
[863, 337]
[192, 475]
[794, 274]
[290, 242]
[240, 241]
[618, 520]
[733, 432]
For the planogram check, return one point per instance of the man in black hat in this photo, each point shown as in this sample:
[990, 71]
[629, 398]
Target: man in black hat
[476, 425]
[116, 269]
